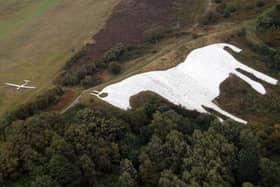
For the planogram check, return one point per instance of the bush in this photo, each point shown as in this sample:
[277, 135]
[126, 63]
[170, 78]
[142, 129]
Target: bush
[114, 53]
[43, 181]
[242, 32]
[104, 94]
[64, 171]
[114, 68]
[219, 1]
[260, 3]
[40, 103]
[221, 8]
[226, 13]
[247, 166]
[155, 35]
[209, 18]
[232, 8]
[224, 10]
[90, 81]
[75, 76]
[75, 58]
[269, 20]
[270, 56]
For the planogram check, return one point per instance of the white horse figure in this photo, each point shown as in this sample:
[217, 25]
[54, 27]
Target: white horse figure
[193, 84]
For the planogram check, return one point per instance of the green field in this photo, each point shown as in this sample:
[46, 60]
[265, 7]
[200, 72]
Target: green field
[37, 37]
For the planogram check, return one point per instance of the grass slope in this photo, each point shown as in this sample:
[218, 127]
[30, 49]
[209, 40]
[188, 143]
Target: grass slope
[172, 51]
[36, 38]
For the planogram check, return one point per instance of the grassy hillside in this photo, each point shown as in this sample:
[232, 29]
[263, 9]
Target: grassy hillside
[171, 51]
[36, 38]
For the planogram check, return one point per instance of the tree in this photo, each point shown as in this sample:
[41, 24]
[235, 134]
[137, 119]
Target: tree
[269, 172]
[148, 173]
[126, 180]
[163, 123]
[128, 177]
[174, 149]
[90, 81]
[88, 169]
[209, 160]
[169, 179]
[247, 184]
[63, 171]
[247, 166]
[44, 181]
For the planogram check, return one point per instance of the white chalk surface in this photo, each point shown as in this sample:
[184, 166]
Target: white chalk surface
[193, 84]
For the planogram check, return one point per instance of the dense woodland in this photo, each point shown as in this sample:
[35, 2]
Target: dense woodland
[153, 144]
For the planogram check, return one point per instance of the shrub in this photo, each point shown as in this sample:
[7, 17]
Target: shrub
[40, 103]
[271, 56]
[75, 76]
[221, 8]
[269, 20]
[75, 58]
[226, 13]
[242, 32]
[114, 53]
[209, 18]
[219, 1]
[43, 181]
[154, 35]
[114, 68]
[232, 8]
[90, 81]
[260, 3]
[104, 94]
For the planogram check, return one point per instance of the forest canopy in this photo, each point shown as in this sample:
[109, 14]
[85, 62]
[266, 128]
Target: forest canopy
[152, 145]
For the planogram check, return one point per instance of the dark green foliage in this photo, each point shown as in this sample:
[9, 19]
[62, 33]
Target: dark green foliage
[63, 171]
[128, 176]
[221, 8]
[224, 10]
[260, 3]
[271, 56]
[40, 103]
[88, 169]
[155, 35]
[75, 77]
[218, 1]
[269, 20]
[247, 167]
[242, 32]
[74, 59]
[44, 181]
[169, 179]
[90, 81]
[114, 53]
[146, 146]
[270, 172]
[85, 75]
[209, 18]
[232, 9]
[114, 68]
